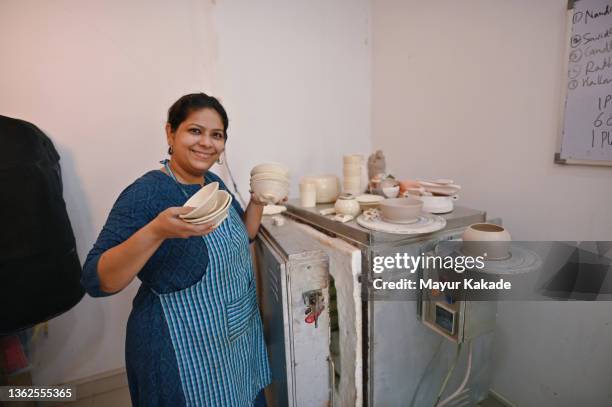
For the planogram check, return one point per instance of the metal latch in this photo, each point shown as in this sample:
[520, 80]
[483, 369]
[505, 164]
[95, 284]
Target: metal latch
[313, 300]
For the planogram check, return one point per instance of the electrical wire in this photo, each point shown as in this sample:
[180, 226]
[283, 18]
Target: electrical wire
[236, 191]
[448, 375]
[427, 368]
[465, 379]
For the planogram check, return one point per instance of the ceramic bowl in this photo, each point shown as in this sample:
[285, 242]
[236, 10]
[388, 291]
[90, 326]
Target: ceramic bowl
[328, 187]
[224, 199]
[270, 175]
[270, 167]
[400, 210]
[448, 190]
[481, 238]
[217, 219]
[369, 201]
[438, 204]
[282, 180]
[270, 191]
[391, 192]
[202, 201]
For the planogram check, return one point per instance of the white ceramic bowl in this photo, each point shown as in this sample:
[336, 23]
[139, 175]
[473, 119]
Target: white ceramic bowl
[481, 238]
[438, 204]
[391, 192]
[270, 191]
[270, 175]
[270, 167]
[224, 199]
[328, 187]
[202, 201]
[217, 219]
[400, 210]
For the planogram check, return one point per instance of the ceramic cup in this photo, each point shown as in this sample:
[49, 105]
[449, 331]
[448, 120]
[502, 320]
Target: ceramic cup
[308, 194]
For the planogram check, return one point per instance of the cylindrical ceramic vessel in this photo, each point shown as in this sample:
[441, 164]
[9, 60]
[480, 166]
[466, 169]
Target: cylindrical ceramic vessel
[308, 194]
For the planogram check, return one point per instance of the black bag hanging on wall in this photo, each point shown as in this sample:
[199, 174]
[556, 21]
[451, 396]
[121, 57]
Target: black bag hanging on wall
[39, 265]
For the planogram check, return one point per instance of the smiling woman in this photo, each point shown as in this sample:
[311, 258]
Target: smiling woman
[194, 336]
[196, 133]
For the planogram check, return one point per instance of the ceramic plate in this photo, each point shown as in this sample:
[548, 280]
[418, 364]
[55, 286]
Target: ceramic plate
[426, 223]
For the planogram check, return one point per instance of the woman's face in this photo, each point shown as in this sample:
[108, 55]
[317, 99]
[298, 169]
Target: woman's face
[198, 141]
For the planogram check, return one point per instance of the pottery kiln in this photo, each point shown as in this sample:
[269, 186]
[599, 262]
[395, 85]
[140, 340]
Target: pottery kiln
[357, 352]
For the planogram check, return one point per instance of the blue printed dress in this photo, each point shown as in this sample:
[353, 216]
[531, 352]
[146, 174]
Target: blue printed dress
[194, 336]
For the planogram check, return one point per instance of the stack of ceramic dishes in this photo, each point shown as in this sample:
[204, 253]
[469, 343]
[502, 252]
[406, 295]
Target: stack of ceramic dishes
[210, 205]
[352, 170]
[441, 187]
[270, 182]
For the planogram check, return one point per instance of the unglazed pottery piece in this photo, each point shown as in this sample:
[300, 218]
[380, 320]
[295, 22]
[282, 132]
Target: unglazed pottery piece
[400, 210]
[202, 201]
[488, 240]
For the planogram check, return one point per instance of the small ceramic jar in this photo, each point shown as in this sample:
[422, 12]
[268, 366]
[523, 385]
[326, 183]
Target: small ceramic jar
[347, 204]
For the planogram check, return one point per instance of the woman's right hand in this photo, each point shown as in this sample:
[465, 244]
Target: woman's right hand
[168, 225]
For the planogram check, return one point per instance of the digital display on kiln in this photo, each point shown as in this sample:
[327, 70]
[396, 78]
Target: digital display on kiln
[445, 319]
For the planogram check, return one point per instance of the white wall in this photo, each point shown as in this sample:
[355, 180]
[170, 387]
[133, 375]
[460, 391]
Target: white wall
[471, 90]
[100, 76]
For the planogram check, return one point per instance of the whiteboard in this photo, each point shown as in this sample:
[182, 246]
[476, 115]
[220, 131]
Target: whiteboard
[587, 120]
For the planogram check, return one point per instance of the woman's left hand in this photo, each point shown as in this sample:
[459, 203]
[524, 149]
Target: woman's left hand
[256, 201]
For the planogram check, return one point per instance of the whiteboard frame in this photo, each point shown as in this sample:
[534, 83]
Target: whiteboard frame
[557, 158]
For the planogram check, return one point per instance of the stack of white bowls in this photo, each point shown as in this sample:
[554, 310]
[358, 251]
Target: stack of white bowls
[210, 205]
[352, 170]
[270, 182]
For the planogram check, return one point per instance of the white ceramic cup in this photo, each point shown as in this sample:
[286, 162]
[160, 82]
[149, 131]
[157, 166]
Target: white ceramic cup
[308, 194]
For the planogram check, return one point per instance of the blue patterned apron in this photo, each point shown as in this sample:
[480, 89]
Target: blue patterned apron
[215, 325]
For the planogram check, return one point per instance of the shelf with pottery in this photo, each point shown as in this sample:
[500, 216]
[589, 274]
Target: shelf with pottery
[391, 206]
